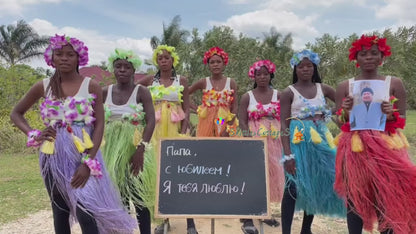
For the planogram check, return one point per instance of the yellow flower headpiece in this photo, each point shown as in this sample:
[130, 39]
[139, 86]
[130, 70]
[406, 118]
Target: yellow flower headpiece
[124, 54]
[170, 50]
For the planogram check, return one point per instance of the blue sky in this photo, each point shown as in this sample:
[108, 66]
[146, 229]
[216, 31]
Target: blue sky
[104, 25]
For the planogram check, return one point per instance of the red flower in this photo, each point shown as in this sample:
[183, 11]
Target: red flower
[365, 42]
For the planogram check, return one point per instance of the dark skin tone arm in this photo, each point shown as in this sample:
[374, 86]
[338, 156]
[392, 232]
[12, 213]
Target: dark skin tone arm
[185, 104]
[137, 158]
[82, 173]
[17, 114]
[286, 99]
[242, 112]
[146, 81]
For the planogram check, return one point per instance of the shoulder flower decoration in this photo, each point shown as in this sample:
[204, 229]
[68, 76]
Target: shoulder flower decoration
[57, 42]
[257, 66]
[128, 55]
[170, 49]
[366, 42]
[297, 58]
[216, 51]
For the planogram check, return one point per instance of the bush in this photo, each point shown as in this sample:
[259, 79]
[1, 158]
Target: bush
[12, 140]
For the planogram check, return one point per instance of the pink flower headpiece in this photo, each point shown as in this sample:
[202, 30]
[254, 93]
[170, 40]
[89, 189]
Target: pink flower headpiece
[218, 51]
[365, 42]
[262, 63]
[57, 42]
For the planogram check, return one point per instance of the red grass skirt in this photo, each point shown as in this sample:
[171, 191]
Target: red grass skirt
[380, 180]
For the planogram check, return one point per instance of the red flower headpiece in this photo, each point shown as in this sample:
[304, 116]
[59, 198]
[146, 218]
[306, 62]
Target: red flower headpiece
[366, 42]
[218, 51]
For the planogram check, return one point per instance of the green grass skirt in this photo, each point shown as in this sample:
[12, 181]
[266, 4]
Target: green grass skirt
[117, 152]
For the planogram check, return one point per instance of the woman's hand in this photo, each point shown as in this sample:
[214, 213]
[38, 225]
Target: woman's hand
[347, 103]
[81, 176]
[387, 108]
[137, 161]
[48, 134]
[290, 166]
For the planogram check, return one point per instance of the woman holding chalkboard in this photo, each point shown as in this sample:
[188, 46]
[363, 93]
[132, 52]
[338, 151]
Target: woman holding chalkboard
[217, 113]
[309, 151]
[263, 120]
[129, 126]
[375, 175]
[171, 101]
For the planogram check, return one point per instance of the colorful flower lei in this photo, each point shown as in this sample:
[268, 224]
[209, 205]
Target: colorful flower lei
[136, 118]
[257, 66]
[215, 51]
[211, 98]
[128, 55]
[297, 58]
[365, 42]
[57, 42]
[170, 49]
[260, 112]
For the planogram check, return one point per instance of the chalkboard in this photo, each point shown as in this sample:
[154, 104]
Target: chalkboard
[212, 177]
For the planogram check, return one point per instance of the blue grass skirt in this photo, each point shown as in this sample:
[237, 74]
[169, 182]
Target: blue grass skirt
[312, 144]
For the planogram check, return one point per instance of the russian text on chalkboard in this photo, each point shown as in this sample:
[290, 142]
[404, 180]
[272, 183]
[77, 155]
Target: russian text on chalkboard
[212, 177]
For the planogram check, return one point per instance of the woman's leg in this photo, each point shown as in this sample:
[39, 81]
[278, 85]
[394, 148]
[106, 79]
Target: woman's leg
[288, 206]
[306, 223]
[60, 209]
[86, 221]
[354, 221]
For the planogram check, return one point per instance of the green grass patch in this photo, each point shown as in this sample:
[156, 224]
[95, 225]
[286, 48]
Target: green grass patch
[22, 191]
[410, 132]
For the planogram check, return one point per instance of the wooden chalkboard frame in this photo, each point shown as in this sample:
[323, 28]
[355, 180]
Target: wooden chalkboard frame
[265, 208]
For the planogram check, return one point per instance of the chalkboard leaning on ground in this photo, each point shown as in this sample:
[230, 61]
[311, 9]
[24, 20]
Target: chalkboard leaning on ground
[212, 177]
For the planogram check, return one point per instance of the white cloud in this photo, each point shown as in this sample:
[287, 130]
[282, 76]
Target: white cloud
[16, 7]
[256, 23]
[99, 46]
[403, 11]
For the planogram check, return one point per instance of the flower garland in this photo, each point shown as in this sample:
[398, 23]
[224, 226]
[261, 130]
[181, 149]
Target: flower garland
[170, 49]
[257, 66]
[136, 118]
[57, 42]
[273, 110]
[71, 109]
[129, 55]
[159, 91]
[365, 42]
[297, 58]
[212, 97]
[215, 51]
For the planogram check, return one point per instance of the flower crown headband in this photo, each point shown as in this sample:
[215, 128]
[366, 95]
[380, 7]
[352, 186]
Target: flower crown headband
[128, 55]
[216, 51]
[271, 68]
[170, 49]
[57, 42]
[365, 42]
[297, 58]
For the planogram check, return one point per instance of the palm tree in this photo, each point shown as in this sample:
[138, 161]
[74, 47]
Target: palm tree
[20, 42]
[172, 34]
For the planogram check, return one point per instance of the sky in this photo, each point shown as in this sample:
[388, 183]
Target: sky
[104, 25]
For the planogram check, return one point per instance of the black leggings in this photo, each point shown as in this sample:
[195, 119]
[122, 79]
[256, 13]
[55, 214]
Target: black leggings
[355, 223]
[142, 215]
[60, 212]
[288, 209]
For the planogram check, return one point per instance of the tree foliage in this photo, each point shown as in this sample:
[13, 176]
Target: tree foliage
[20, 42]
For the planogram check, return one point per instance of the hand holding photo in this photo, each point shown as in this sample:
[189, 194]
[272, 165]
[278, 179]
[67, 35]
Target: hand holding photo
[366, 112]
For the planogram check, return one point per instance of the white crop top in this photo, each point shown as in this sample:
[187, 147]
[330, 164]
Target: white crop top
[303, 107]
[117, 111]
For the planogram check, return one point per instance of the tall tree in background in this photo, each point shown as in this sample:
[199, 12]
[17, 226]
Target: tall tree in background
[20, 42]
[172, 34]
